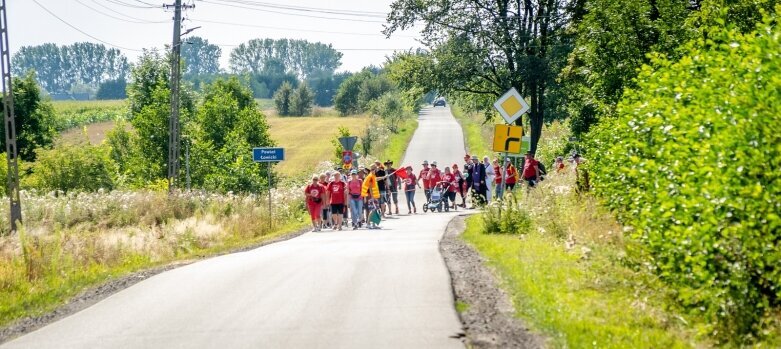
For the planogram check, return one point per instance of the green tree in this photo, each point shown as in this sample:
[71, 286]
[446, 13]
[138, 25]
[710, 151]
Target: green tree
[301, 101]
[149, 97]
[112, 89]
[282, 99]
[34, 118]
[690, 163]
[480, 49]
[300, 57]
[390, 109]
[200, 57]
[346, 99]
[58, 68]
[227, 126]
[614, 38]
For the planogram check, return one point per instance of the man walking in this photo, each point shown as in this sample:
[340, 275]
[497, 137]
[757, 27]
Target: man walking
[393, 185]
[531, 170]
[478, 182]
[337, 192]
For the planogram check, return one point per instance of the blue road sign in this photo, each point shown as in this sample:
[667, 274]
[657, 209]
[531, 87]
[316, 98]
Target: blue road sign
[268, 154]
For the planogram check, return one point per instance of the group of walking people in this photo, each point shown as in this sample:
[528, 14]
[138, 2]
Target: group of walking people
[363, 197]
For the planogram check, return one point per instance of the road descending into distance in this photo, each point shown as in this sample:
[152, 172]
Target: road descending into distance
[384, 288]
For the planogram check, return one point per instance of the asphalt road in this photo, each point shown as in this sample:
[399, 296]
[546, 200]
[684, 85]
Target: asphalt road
[384, 288]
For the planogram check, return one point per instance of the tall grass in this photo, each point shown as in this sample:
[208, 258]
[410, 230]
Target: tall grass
[562, 259]
[72, 241]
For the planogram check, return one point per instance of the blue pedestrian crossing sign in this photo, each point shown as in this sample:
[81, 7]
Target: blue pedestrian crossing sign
[268, 154]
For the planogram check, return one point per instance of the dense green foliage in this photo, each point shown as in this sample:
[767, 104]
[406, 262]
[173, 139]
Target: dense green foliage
[34, 118]
[227, 126]
[112, 89]
[71, 114]
[301, 57]
[282, 99]
[691, 163]
[301, 101]
[614, 38]
[60, 68]
[200, 57]
[66, 167]
[357, 92]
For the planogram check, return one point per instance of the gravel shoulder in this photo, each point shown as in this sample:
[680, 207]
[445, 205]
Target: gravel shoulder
[94, 295]
[488, 319]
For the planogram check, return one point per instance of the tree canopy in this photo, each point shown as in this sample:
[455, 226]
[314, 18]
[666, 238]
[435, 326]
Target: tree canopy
[300, 57]
[200, 57]
[59, 68]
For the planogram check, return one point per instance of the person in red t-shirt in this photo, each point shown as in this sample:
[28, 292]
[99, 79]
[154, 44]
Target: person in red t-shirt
[434, 175]
[409, 190]
[337, 191]
[452, 186]
[531, 169]
[423, 176]
[314, 194]
[511, 172]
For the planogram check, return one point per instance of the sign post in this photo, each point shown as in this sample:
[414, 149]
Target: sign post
[509, 139]
[268, 155]
[348, 143]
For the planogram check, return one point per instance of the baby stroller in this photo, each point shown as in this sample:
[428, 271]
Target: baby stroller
[436, 201]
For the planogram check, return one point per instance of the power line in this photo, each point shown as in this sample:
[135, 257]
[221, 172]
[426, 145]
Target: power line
[122, 3]
[81, 31]
[125, 15]
[292, 14]
[294, 29]
[310, 9]
[134, 20]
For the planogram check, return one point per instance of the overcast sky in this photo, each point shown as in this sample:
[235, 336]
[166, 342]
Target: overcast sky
[132, 25]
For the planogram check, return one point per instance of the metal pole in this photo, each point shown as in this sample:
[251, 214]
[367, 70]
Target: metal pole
[11, 151]
[173, 126]
[270, 209]
[503, 167]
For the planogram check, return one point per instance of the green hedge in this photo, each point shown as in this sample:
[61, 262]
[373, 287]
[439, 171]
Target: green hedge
[692, 165]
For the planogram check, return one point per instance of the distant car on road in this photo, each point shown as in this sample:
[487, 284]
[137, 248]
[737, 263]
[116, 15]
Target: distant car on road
[439, 103]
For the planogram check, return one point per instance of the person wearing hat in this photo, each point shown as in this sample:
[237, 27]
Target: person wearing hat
[423, 176]
[531, 170]
[511, 175]
[434, 176]
[392, 186]
[479, 185]
[382, 184]
[409, 190]
[354, 187]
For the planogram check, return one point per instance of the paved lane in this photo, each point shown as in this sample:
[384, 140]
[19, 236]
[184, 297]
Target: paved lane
[385, 288]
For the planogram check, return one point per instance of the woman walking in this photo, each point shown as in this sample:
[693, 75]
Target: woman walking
[409, 190]
[354, 186]
[314, 194]
[489, 178]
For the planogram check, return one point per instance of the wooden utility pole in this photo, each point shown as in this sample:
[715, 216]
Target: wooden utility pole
[173, 125]
[10, 122]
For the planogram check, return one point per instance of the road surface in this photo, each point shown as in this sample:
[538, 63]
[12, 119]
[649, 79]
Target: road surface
[384, 288]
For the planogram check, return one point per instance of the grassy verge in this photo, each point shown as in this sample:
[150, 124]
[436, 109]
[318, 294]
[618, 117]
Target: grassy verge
[396, 145]
[76, 241]
[477, 133]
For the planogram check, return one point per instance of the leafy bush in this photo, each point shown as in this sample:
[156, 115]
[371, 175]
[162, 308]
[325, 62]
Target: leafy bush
[282, 99]
[691, 165]
[34, 118]
[69, 167]
[68, 115]
[301, 101]
[506, 217]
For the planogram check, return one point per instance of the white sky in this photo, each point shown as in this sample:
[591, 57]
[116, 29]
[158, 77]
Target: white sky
[29, 24]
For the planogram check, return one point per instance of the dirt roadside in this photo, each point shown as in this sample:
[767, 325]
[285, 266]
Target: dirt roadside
[488, 319]
[94, 295]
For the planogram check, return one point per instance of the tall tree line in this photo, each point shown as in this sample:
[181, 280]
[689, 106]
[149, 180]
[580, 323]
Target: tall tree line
[59, 68]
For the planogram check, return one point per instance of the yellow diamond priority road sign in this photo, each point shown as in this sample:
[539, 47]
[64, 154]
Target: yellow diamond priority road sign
[511, 105]
[507, 139]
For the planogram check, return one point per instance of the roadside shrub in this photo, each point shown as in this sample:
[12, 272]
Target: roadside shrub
[301, 101]
[282, 99]
[69, 167]
[691, 165]
[506, 217]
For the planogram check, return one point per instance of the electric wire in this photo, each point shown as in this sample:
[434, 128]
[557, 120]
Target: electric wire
[293, 29]
[81, 31]
[309, 9]
[291, 14]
